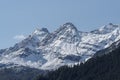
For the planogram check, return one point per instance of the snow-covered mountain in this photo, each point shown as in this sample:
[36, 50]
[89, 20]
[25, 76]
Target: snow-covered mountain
[65, 46]
[109, 49]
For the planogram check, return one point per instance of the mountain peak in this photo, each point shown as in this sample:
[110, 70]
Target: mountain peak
[40, 31]
[110, 24]
[69, 25]
[110, 27]
[67, 33]
[106, 29]
[44, 29]
[66, 27]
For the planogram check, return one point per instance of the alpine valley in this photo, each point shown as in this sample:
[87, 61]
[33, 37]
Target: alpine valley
[65, 46]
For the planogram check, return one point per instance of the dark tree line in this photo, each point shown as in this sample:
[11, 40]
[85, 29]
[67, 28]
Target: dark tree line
[20, 73]
[106, 67]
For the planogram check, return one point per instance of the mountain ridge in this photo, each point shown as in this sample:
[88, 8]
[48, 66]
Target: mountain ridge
[64, 46]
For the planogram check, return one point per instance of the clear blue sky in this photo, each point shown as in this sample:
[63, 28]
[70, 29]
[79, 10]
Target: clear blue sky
[23, 16]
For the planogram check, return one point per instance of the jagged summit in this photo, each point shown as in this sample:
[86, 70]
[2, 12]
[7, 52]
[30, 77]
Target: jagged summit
[44, 29]
[65, 46]
[67, 27]
[38, 31]
[106, 29]
[69, 24]
[110, 24]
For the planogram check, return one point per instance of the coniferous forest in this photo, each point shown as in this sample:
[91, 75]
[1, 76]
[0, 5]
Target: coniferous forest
[106, 67]
[22, 73]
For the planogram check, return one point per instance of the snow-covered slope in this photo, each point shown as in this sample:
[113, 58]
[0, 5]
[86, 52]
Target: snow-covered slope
[65, 46]
[109, 49]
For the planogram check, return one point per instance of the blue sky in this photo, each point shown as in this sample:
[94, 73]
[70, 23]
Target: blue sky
[18, 17]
